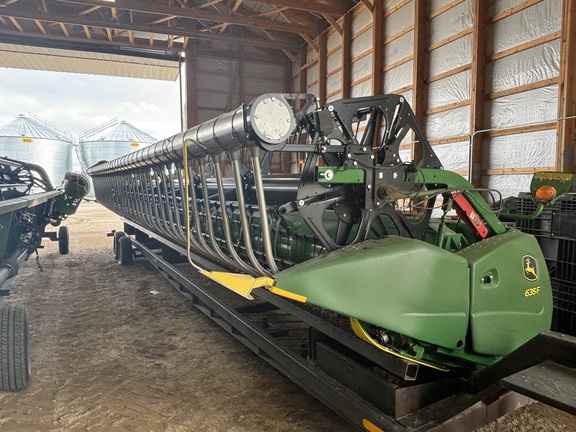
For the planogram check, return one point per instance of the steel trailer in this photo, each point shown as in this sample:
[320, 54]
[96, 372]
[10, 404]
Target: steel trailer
[388, 288]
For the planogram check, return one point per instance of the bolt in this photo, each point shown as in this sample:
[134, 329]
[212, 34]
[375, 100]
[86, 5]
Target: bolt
[372, 157]
[344, 215]
[369, 187]
[363, 149]
[349, 155]
[301, 203]
[355, 163]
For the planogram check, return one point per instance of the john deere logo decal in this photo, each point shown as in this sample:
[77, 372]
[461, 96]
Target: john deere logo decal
[530, 268]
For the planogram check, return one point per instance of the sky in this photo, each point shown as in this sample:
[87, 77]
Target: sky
[76, 103]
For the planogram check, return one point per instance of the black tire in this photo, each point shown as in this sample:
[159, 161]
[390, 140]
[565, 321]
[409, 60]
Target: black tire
[117, 235]
[14, 355]
[125, 252]
[63, 240]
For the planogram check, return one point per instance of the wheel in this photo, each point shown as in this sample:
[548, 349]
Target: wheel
[63, 240]
[14, 358]
[125, 253]
[117, 235]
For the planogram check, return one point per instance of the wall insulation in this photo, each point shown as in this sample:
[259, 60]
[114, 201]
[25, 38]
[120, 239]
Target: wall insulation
[514, 135]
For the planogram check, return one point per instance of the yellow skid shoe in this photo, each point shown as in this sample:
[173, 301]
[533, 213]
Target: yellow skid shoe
[243, 284]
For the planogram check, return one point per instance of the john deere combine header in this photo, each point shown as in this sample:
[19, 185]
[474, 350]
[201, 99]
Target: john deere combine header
[28, 204]
[424, 270]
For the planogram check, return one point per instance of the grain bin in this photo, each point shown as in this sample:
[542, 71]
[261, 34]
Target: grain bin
[111, 140]
[28, 138]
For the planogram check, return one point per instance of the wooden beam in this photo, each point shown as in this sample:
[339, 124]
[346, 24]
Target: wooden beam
[199, 14]
[369, 5]
[120, 25]
[322, 67]
[310, 42]
[333, 22]
[241, 76]
[377, 47]
[191, 85]
[346, 56]
[566, 139]
[419, 88]
[16, 24]
[64, 29]
[478, 90]
[90, 9]
[40, 26]
[321, 7]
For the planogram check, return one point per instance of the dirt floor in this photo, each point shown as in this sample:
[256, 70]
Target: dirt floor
[118, 349]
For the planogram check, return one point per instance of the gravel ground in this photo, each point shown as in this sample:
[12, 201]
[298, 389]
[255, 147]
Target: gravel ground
[118, 349]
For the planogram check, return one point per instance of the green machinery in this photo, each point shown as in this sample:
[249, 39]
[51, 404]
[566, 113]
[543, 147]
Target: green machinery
[412, 298]
[28, 204]
[413, 254]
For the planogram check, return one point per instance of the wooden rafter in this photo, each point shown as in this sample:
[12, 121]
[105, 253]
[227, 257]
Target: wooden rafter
[237, 4]
[89, 10]
[83, 20]
[369, 5]
[327, 7]
[333, 23]
[64, 29]
[159, 9]
[40, 26]
[16, 24]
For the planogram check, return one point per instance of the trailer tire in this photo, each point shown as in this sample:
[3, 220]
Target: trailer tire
[125, 252]
[14, 354]
[63, 240]
[117, 236]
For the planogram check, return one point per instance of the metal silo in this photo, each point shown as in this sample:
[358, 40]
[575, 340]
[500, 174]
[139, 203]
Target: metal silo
[109, 141]
[30, 139]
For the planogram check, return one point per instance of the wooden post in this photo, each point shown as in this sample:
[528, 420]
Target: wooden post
[477, 90]
[419, 70]
[347, 56]
[377, 47]
[566, 136]
[191, 85]
[241, 76]
[322, 67]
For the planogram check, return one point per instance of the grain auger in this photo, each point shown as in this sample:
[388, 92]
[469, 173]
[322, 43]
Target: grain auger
[413, 254]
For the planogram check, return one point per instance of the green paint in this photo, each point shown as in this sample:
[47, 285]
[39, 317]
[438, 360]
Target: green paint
[504, 313]
[396, 283]
[339, 175]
